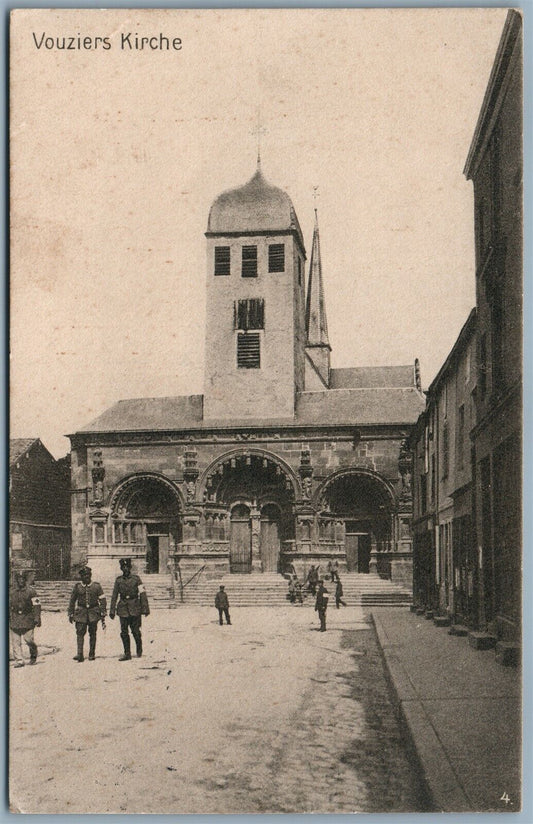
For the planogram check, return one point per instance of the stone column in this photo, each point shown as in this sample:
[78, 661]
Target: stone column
[255, 517]
[373, 565]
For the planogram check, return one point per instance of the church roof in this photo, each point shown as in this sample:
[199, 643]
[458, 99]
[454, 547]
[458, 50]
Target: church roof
[360, 407]
[149, 413]
[354, 407]
[255, 207]
[371, 376]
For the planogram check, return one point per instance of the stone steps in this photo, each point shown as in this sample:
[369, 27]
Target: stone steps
[267, 589]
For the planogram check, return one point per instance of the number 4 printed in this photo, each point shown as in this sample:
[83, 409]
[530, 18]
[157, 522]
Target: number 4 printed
[505, 798]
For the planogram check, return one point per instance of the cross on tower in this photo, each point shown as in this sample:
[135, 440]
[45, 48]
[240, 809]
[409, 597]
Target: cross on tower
[316, 195]
[258, 131]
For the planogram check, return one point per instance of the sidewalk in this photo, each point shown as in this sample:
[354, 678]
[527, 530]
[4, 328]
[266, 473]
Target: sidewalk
[462, 710]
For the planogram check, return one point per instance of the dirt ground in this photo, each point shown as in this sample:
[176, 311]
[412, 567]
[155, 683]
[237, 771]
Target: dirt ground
[265, 715]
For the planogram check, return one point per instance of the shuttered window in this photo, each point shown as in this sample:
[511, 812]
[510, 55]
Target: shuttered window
[249, 314]
[248, 350]
[276, 257]
[249, 261]
[222, 260]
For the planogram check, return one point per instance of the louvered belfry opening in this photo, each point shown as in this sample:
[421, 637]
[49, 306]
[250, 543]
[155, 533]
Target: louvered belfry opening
[248, 350]
[249, 262]
[276, 257]
[222, 260]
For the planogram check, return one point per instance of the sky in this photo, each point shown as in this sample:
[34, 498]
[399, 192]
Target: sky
[117, 155]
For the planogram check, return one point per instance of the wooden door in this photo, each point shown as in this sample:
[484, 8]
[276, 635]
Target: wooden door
[270, 539]
[164, 546]
[351, 543]
[363, 554]
[240, 543]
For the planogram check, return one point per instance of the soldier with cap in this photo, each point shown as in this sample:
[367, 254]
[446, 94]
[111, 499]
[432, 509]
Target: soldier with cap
[222, 604]
[132, 604]
[321, 604]
[24, 616]
[87, 606]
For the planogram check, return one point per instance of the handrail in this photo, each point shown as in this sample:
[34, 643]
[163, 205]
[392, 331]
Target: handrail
[183, 585]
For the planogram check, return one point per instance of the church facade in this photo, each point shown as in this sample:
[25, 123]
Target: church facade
[283, 460]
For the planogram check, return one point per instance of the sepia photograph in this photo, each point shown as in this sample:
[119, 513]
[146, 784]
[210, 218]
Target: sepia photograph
[265, 437]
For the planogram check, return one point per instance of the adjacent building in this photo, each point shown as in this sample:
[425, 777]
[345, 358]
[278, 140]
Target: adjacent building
[494, 165]
[467, 443]
[445, 562]
[39, 510]
[284, 459]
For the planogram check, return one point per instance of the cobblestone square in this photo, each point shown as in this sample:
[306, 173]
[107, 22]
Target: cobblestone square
[266, 715]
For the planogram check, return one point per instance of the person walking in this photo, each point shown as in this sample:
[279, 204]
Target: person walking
[24, 616]
[87, 606]
[338, 594]
[312, 579]
[222, 604]
[321, 604]
[132, 604]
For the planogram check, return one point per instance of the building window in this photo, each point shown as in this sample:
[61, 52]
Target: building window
[483, 365]
[433, 477]
[498, 371]
[423, 493]
[445, 450]
[249, 314]
[248, 350]
[249, 261]
[222, 260]
[461, 437]
[299, 271]
[276, 257]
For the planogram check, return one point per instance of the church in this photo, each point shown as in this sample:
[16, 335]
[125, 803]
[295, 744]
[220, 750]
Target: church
[283, 460]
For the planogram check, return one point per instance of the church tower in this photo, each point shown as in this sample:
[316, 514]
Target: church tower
[255, 325]
[317, 346]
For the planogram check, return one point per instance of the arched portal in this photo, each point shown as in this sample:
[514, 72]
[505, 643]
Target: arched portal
[259, 491]
[145, 520]
[358, 506]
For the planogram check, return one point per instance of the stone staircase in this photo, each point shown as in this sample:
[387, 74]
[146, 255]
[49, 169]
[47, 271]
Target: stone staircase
[266, 589]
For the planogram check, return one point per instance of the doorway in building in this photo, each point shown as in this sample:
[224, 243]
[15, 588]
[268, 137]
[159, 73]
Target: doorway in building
[240, 542]
[157, 549]
[146, 521]
[363, 560]
[270, 538]
[352, 550]
[358, 545]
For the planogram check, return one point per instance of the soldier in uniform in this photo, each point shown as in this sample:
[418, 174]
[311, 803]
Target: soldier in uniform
[321, 604]
[132, 605]
[24, 616]
[87, 606]
[222, 604]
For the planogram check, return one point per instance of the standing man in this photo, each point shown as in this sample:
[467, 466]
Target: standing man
[312, 579]
[222, 604]
[321, 604]
[338, 594]
[24, 616]
[87, 606]
[132, 605]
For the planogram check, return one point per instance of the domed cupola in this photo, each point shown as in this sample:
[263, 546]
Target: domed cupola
[255, 207]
